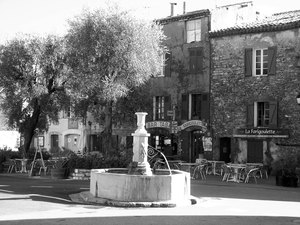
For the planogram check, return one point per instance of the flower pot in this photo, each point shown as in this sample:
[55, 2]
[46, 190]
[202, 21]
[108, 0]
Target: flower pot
[58, 173]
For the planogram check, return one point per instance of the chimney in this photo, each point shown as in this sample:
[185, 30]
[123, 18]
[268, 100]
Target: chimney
[183, 8]
[172, 8]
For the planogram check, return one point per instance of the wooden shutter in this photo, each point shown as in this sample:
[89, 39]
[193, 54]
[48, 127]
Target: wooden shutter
[205, 107]
[248, 62]
[250, 115]
[168, 58]
[167, 106]
[199, 60]
[193, 61]
[272, 60]
[273, 114]
[184, 107]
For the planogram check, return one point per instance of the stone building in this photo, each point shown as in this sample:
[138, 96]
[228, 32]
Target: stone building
[179, 123]
[254, 83]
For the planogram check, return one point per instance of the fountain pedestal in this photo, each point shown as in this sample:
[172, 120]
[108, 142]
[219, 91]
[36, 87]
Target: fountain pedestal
[139, 164]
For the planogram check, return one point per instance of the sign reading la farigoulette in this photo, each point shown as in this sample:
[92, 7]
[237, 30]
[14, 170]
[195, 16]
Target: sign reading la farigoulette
[261, 132]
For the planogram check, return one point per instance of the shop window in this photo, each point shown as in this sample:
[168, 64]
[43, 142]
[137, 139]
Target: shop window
[262, 114]
[193, 30]
[260, 62]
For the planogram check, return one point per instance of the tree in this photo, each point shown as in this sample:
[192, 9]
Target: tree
[111, 52]
[32, 78]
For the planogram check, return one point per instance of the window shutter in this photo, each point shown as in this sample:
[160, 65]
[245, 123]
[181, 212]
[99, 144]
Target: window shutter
[193, 61]
[272, 60]
[205, 107]
[184, 107]
[167, 106]
[199, 60]
[248, 62]
[273, 114]
[168, 64]
[250, 115]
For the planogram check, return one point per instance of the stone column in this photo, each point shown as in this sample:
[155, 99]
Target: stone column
[140, 163]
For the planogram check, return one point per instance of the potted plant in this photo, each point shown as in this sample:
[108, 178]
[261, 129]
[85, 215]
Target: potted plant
[285, 167]
[59, 161]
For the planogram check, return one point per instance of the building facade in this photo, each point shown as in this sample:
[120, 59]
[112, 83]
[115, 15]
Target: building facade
[254, 83]
[179, 123]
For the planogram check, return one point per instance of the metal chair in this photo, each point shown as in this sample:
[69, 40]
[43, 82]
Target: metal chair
[251, 172]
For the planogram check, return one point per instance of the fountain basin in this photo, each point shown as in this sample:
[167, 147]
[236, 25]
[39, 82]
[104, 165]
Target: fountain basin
[117, 185]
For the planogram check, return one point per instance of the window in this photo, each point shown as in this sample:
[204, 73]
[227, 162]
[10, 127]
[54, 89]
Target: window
[158, 107]
[193, 30]
[161, 104]
[196, 60]
[262, 110]
[166, 64]
[262, 114]
[194, 107]
[260, 62]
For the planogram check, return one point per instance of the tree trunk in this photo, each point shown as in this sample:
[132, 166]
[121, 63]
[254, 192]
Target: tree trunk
[107, 132]
[32, 123]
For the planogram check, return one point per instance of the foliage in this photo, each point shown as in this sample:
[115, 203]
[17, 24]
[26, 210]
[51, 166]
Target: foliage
[32, 77]
[96, 161]
[110, 53]
[61, 156]
[9, 154]
[138, 100]
[287, 161]
[30, 154]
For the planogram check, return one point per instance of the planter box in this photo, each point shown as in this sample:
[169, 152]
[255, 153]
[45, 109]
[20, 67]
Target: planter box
[287, 181]
[58, 173]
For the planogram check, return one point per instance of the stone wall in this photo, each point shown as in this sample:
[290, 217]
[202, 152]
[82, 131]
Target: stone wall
[231, 91]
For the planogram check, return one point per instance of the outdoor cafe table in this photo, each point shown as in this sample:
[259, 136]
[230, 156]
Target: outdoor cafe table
[214, 166]
[237, 171]
[23, 165]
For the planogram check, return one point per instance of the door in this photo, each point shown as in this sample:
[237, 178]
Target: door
[254, 151]
[196, 145]
[225, 149]
[72, 142]
[54, 141]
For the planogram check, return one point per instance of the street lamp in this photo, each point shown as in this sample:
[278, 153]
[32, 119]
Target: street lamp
[298, 99]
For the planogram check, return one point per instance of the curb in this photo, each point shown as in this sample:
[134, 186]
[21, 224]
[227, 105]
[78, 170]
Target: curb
[87, 198]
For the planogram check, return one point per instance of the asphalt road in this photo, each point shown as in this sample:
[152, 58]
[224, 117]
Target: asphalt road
[25, 200]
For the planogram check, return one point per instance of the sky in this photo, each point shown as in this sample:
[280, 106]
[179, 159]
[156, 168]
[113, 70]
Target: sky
[42, 17]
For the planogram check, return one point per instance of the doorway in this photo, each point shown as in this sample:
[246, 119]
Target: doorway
[225, 149]
[196, 145]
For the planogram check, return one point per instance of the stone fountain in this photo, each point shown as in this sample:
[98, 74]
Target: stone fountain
[138, 185]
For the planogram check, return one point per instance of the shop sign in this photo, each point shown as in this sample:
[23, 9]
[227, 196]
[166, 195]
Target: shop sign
[159, 124]
[170, 113]
[207, 144]
[193, 123]
[261, 132]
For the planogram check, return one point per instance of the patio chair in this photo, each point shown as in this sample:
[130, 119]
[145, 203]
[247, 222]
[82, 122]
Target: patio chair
[251, 172]
[199, 172]
[228, 173]
[11, 164]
